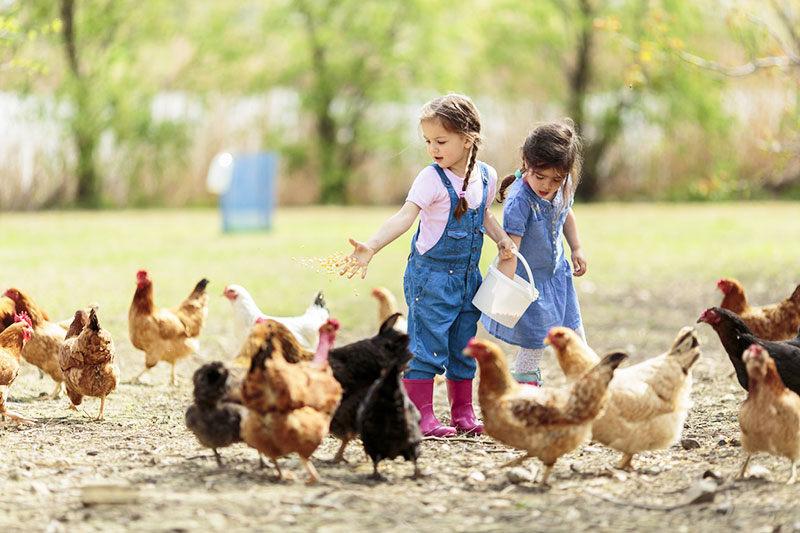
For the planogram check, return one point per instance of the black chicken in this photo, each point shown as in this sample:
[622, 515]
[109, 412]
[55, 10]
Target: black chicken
[215, 416]
[388, 421]
[736, 338]
[356, 367]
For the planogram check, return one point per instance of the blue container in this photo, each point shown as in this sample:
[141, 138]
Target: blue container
[249, 200]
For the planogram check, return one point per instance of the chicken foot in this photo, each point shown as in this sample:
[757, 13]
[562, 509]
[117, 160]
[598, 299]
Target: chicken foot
[56, 392]
[140, 374]
[546, 476]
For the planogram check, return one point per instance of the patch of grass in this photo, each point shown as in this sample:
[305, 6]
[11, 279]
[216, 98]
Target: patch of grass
[67, 259]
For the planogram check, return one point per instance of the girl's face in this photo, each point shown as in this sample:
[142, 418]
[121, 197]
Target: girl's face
[544, 182]
[448, 149]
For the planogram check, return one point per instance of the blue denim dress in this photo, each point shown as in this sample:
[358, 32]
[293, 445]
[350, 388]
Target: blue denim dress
[541, 225]
[439, 286]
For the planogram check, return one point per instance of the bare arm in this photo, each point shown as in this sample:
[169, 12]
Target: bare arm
[574, 241]
[509, 266]
[505, 244]
[394, 226]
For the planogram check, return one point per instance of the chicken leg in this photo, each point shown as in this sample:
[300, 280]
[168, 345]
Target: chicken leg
[339, 457]
[313, 475]
[516, 462]
[743, 471]
[56, 392]
[793, 477]
[172, 377]
[15, 417]
[625, 462]
[140, 374]
[546, 476]
[102, 404]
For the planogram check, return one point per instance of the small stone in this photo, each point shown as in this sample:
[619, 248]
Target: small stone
[759, 471]
[476, 477]
[735, 442]
[519, 475]
[728, 398]
[690, 444]
[39, 488]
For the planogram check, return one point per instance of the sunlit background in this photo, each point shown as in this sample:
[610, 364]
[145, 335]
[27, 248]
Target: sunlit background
[127, 102]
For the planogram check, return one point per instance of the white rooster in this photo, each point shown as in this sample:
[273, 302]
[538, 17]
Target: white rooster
[304, 327]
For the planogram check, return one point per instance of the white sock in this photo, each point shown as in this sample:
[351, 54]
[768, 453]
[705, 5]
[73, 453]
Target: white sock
[528, 360]
[582, 332]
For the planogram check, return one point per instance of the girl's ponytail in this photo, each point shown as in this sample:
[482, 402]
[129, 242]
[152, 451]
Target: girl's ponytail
[462, 206]
[505, 184]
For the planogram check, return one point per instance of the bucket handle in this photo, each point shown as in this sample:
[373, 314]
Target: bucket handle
[531, 288]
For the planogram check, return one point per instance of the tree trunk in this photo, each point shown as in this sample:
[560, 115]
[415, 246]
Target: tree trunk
[579, 79]
[83, 132]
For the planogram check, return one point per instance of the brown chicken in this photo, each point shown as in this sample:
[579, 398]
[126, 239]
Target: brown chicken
[776, 322]
[290, 405]
[387, 306]
[165, 334]
[87, 360]
[648, 402]
[42, 349]
[291, 349]
[7, 312]
[12, 341]
[545, 423]
[770, 416]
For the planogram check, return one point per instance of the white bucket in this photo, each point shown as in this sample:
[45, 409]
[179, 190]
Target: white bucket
[503, 299]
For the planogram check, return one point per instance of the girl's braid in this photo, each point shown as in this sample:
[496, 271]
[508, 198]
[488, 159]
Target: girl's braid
[462, 205]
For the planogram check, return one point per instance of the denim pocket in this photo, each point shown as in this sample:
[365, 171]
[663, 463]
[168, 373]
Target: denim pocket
[455, 240]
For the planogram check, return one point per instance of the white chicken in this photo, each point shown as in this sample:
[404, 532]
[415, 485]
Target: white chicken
[648, 402]
[305, 327]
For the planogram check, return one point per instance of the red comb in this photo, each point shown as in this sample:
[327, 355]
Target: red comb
[261, 320]
[472, 342]
[141, 274]
[23, 316]
[333, 323]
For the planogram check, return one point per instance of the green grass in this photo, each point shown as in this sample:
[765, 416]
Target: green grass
[68, 259]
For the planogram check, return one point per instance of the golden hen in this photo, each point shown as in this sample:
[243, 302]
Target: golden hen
[387, 306]
[770, 416]
[42, 349]
[290, 405]
[7, 312]
[545, 423]
[776, 322]
[648, 402]
[12, 341]
[87, 360]
[165, 334]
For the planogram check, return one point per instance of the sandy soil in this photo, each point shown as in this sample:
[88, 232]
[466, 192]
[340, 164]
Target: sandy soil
[141, 470]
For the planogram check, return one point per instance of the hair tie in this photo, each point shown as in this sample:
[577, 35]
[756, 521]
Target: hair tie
[462, 194]
[518, 173]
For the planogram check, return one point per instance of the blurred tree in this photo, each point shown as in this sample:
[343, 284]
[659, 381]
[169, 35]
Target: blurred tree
[347, 57]
[596, 58]
[108, 79]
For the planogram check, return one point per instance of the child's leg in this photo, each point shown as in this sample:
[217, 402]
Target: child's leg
[526, 369]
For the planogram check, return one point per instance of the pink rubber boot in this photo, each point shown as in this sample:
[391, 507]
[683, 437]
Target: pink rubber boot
[463, 417]
[420, 391]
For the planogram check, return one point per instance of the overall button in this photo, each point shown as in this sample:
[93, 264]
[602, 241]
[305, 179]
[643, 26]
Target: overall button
[451, 271]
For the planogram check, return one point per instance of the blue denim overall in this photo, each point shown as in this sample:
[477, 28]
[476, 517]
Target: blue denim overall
[439, 286]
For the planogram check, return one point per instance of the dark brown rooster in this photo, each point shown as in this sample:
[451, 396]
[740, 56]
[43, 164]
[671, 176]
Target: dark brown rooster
[736, 337]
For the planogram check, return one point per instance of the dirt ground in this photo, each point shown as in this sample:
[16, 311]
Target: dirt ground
[141, 470]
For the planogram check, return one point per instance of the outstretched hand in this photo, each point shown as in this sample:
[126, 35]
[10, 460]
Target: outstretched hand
[358, 260]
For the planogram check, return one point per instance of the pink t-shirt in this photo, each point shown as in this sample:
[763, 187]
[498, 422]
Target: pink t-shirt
[430, 194]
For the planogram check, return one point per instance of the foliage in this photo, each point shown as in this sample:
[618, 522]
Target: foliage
[108, 72]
